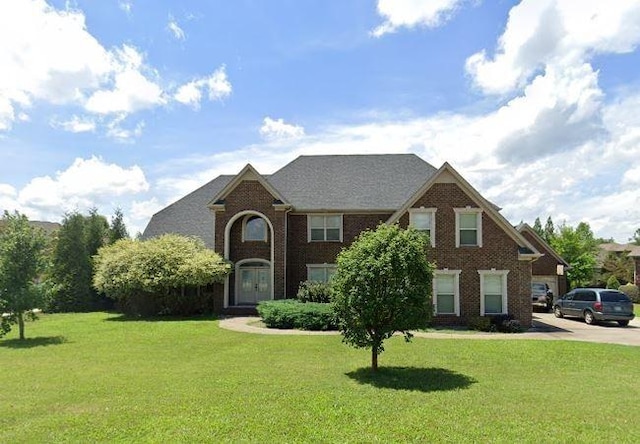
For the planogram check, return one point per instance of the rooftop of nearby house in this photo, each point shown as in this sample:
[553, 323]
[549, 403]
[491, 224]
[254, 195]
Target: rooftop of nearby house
[632, 250]
[47, 227]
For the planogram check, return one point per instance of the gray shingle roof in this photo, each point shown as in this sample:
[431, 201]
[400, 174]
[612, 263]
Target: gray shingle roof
[351, 182]
[190, 215]
[309, 183]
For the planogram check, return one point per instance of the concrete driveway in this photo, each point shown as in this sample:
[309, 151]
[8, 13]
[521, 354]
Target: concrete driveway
[547, 326]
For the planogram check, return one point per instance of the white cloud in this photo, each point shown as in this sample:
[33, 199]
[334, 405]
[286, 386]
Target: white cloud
[189, 94]
[86, 183]
[275, 129]
[175, 29]
[116, 131]
[554, 33]
[49, 55]
[76, 124]
[413, 13]
[131, 90]
[126, 6]
[631, 179]
[217, 86]
[143, 210]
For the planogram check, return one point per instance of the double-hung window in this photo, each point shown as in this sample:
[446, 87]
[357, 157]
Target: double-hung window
[446, 292]
[493, 292]
[468, 227]
[320, 272]
[424, 220]
[326, 227]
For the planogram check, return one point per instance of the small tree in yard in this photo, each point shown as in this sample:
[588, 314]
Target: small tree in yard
[21, 248]
[383, 286]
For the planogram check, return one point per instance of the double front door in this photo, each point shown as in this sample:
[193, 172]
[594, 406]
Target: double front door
[254, 284]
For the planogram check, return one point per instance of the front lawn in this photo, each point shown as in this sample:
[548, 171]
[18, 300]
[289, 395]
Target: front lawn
[99, 377]
[636, 309]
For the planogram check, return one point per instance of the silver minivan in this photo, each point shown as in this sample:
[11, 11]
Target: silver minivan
[595, 304]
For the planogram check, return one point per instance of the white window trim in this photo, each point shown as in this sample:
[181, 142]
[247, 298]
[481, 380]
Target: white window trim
[432, 229]
[456, 291]
[469, 210]
[503, 273]
[324, 215]
[324, 266]
[244, 228]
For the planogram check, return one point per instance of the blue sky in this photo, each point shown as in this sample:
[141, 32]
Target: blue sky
[133, 104]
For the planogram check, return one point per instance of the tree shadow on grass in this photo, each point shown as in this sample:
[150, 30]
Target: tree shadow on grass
[412, 378]
[33, 342]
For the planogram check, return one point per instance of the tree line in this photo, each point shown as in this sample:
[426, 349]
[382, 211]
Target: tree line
[52, 271]
[92, 264]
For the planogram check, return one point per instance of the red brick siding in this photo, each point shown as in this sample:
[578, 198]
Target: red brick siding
[251, 195]
[498, 251]
[547, 264]
[300, 252]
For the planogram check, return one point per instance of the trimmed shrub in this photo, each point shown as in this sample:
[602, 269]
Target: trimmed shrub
[613, 283]
[480, 323]
[312, 291]
[632, 291]
[291, 313]
[502, 323]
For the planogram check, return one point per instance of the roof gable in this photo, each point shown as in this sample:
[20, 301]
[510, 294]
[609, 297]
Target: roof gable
[523, 227]
[247, 173]
[447, 174]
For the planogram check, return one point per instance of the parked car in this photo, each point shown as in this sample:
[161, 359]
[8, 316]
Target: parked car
[541, 295]
[595, 304]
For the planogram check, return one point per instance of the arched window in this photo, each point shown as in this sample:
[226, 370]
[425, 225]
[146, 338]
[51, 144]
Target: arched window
[254, 228]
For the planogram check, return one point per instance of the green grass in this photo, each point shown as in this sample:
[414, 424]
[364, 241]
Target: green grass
[96, 377]
[636, 309]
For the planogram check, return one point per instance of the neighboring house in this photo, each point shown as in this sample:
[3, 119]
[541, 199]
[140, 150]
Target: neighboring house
[281, 229]
[551, 268]
[625, 256]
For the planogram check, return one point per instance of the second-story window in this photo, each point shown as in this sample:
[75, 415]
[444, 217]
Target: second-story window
[325, 228]
[468, 227]
[424, 220]
[254, 229]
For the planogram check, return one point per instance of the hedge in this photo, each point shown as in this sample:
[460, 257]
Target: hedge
[291, 313]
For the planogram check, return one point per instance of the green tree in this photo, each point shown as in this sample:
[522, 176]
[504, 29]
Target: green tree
[537, 227]
[70, 270]
[618, 265]
[382, 286]
[21, 261]
[549, 231]
[117, 228]
[96, 231]
[636, 237]
[613, 283]
[159, 268]
[578, 247]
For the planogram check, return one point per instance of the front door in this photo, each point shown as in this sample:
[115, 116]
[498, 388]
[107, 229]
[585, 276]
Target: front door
[254, 284]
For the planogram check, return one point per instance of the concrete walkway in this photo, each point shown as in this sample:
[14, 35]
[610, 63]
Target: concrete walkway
[545, 327]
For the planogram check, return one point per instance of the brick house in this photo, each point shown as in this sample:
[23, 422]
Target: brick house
[281, 229]
[551, 268]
